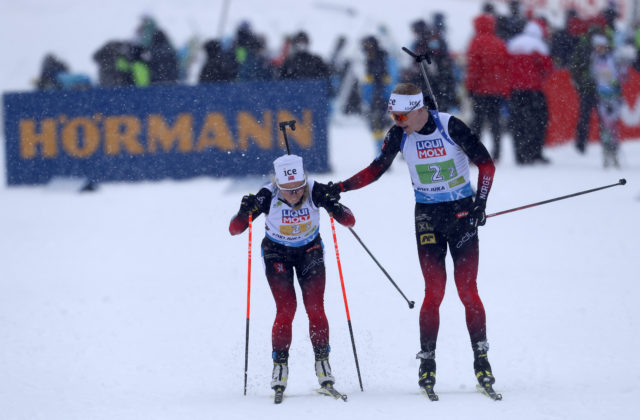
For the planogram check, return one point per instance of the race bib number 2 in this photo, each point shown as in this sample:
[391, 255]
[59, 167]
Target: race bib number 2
[436, 172]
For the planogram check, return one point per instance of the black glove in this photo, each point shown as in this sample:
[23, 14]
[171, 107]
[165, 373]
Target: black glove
[330, 199]
[476, 216]
[334, 189]
[249, 204]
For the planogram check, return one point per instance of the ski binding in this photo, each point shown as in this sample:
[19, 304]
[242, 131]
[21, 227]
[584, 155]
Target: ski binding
[487, 389]
[429, 392]
[329, 390]
[279, 395]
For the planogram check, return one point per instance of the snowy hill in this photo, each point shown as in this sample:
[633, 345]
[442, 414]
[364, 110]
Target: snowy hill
[130, 302]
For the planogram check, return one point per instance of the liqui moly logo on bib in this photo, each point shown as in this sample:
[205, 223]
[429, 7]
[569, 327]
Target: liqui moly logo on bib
[295, 216]
[430, 148]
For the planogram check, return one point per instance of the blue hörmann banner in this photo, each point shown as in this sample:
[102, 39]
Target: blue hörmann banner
[172, 131]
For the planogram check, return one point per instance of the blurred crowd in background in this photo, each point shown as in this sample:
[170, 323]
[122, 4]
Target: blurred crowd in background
[499, 78]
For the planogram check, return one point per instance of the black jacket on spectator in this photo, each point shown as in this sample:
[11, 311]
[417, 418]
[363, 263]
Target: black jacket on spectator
[163, 60]
[106, 57]
[304, 65]
[220, 66]
[51, 67]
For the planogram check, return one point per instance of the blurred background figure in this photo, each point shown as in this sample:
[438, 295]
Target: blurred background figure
[609, 73]
[220, 64]
[51, 67]
[159, 53]
[512, 24]
[256, 65]
[563, 42]
[121, 63]
[582, 79]
[440, 71]
[302, 64]
[529, 65]
[487, 80]
[248, 48]
[55, 74]
[187, 56]
[376, 88]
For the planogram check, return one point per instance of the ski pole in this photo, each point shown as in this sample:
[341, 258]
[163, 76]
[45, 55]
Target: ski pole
[346, 305]
[409, 302]
[283, 126]
[420, 59]
[620, 182]
[246, 345]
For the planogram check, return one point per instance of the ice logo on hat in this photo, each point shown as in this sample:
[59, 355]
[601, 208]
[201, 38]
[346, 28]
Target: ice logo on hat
[288, 168]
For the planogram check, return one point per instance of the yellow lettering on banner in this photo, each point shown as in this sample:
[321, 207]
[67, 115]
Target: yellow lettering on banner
[303, 135]
[215, 133]
[80, 145]
[159, 134]
[122, 131]
[248, 126]
[30, 139]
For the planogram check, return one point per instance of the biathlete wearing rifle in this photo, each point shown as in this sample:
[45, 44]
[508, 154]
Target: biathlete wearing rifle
[446, 212]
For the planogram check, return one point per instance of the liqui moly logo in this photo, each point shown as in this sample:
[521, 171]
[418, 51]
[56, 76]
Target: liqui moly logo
[430, 148]
[295, 216]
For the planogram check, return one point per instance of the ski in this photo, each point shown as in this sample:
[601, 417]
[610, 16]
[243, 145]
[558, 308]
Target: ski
[429, 392]
[279, 395]
[487, 389]
[329, 390]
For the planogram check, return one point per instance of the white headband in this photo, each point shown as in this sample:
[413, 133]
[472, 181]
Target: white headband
[405, 103]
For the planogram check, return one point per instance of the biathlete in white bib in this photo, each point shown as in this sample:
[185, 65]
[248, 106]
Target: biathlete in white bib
[437, 148]
[291, 205]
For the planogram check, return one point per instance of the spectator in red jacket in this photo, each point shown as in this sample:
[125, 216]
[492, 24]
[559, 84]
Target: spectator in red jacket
[487, 78]
[529, 65]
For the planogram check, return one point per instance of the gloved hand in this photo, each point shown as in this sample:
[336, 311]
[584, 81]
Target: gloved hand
[330, 199]
[334, 189]
[476, 216]
[249, 204]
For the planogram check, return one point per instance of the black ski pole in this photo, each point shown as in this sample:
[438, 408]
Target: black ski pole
[283, 126]
[420, 59]
[620, 182]
[409, 302]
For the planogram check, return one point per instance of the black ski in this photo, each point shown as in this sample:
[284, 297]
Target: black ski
[279, 395]
[487, 389]
[329, 390]
[429, 392]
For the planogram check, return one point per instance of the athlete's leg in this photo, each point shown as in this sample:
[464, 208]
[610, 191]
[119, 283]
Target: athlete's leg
[465, 255]
[280, 277]
[311, 276]
[432, 250]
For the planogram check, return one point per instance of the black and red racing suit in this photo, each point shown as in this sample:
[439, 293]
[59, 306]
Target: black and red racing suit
[442, 224]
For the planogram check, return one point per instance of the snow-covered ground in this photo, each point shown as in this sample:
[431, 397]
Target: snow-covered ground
[130, 302]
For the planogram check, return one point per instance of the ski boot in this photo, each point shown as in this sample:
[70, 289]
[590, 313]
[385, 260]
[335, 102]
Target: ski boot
[482, 369]
[427, 373]
[279, 381]
[323, 372]
[481, 365]
[279, 375]
[325, 377]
